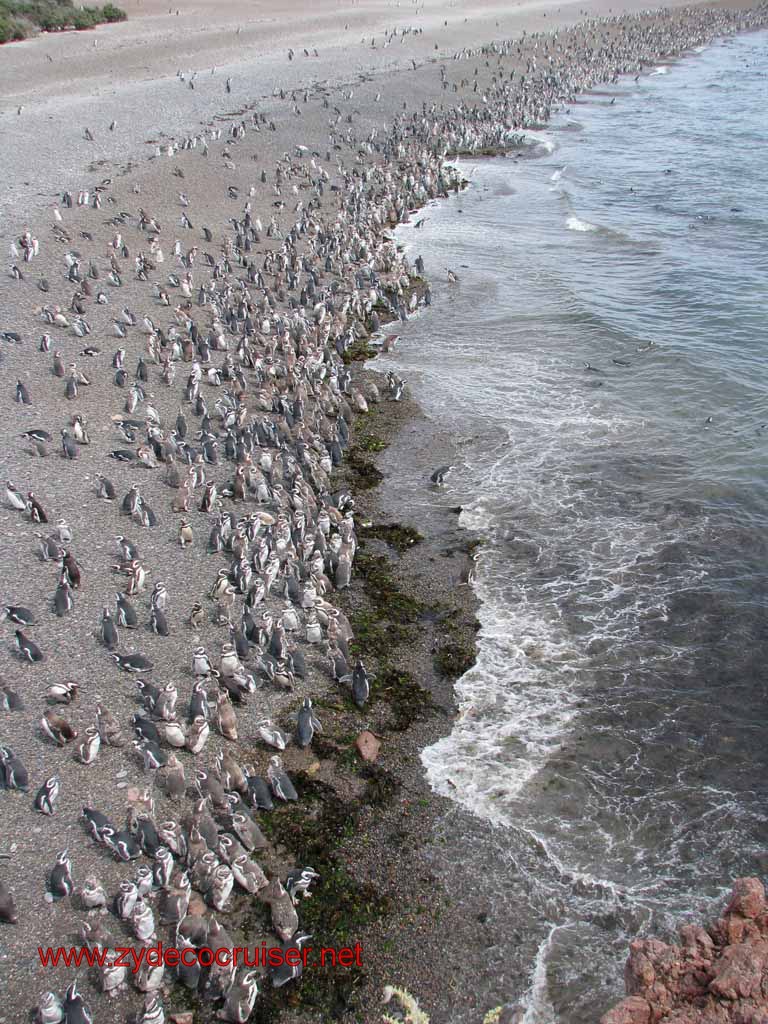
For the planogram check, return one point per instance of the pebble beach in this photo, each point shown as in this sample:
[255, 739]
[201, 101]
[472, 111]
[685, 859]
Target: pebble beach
[201, 263]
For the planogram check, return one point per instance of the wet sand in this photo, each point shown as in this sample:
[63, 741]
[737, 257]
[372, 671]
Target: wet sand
[380, 834]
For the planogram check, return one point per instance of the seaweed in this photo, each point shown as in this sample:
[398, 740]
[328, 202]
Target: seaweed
[398, 536]
[453, 659]
[382, 590]
[340, 906]
[407, 699]
[364, 475]
[371, 443]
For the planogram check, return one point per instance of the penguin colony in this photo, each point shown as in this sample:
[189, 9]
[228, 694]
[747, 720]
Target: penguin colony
[232, 404]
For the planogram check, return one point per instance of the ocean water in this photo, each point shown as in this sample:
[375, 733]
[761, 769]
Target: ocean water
[602, 368]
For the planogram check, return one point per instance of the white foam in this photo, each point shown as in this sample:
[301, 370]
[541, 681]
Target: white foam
[538, 1004]
[662, 69]
[558, 174]
[539, 141]
[576, 224]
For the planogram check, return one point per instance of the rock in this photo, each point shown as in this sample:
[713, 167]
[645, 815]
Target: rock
[183, 1018]
[740, 971]
[639, 973]
[368, 746]
[747, 898]
[717, 975]
[633, 1010]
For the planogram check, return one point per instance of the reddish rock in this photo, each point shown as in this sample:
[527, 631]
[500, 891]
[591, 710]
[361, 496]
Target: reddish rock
[747, 898]
[368, 746]
[633, 1010]
[639, 973]
[717, 975]
[741, 970]
[697, 939]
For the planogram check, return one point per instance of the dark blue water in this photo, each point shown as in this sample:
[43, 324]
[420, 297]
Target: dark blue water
[602, 366]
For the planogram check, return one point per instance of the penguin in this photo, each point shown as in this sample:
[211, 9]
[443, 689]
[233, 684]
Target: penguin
[60, 883]
[36, 511]
[361, 688]
[95, 821]
[122, 844]
[18, 614]
[72, 569]
[198, 701]
[142, 921]
[240, 999]
[8, 912]
[281, 784]
[63, 603]
[75, 1010]
[14, 497]
[171, 778]
[22, 394]
[47, 795]
[105, 489]
[439, 476]
[201, 663]
[226, 718]
[271, 735]
[298, 881]
[158, 622]
[62, 693]
[308, 724]
[88, 749]
[37, 436]
[259, 792]
[110, 636]
[145, 728]
[152, 756]
[248, 874]
[10, 700]
[197, 735]
[136, 663]
[69, 447]
[126, 613]
[186, 536]
[285, 920]
[159, 595]
[109, 727]
[126, 899]
[57, 728]
[197, 616]
[28, 649]
[92, 894]
[153, 1011]
[49, 1009]
[13, 772]
[286, 971]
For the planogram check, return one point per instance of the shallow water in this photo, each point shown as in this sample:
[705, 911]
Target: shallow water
[600, 365]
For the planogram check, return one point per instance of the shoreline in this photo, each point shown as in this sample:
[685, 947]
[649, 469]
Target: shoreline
[357, 809]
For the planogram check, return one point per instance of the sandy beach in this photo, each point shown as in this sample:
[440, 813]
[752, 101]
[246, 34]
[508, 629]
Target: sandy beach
[212, 121]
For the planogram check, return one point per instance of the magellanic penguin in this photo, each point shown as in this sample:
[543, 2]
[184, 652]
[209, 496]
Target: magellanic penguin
[47, 795]
[14, 774]
[28, 649]
[8, 912]
[61, 884]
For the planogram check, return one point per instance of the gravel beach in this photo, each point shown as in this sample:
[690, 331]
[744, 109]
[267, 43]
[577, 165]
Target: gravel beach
[302, 140]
